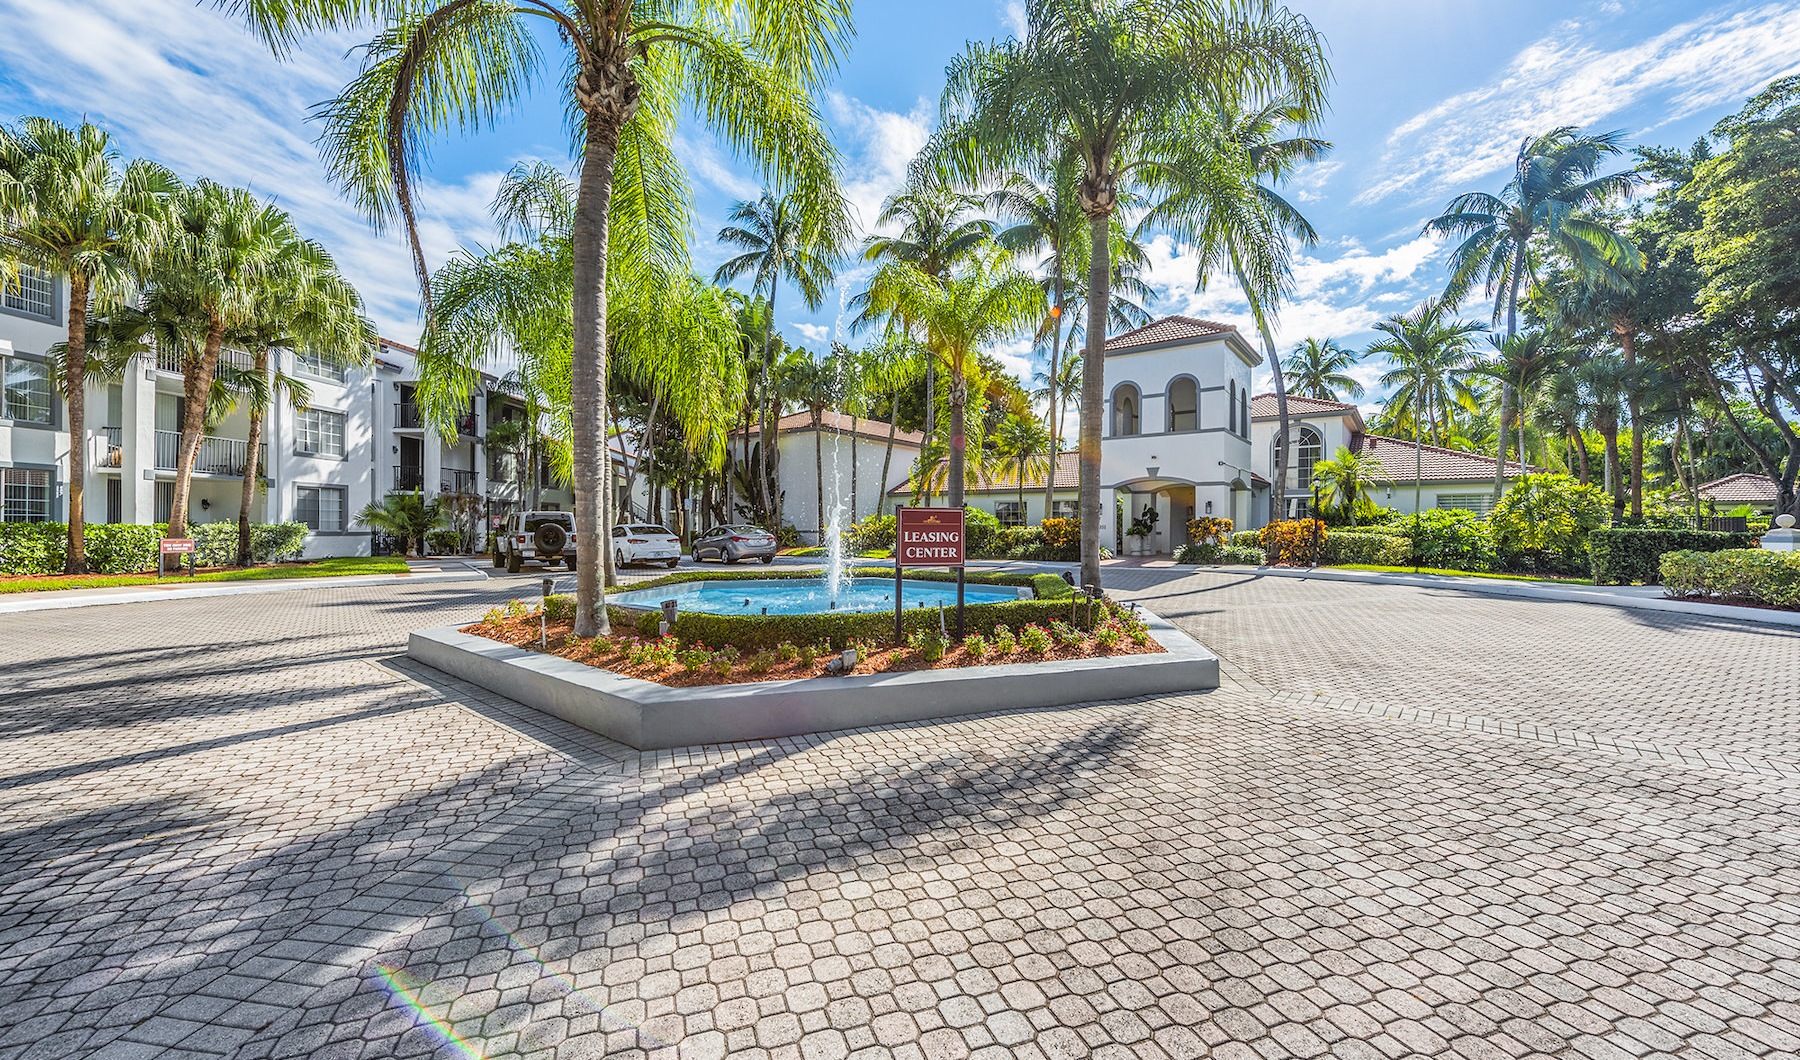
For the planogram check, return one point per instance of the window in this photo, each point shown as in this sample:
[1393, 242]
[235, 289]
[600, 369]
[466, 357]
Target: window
[1125, 410]
[27, 396]
[1065, 509]
[319, 433]
[319, 366]
[1184, 405]
[1308, 451]
[320, 507]
[1479, 503]
[33, 294]
[1231, 405]
[27, 495]
[1010, 513]
[1244, 412]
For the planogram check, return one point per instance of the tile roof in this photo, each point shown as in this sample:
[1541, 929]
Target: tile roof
[1741, 488]
[1266, 407]
[1435, 463]
[1003, 480]
[837, 422]
[1168, 329]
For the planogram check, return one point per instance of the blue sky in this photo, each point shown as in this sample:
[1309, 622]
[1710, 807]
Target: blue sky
[1430, 97]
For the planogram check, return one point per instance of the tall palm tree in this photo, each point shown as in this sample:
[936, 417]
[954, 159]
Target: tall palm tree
[1320, 369]
[1024, 442]
[66, 206]
[1121, 85]
[1604, 383]
[309, 308]
[986, 300]
[747, 68]
[776, 243]
[936, 232]
[890, 369]
[1429, 356]
[1345, 480]
[1522, 363]
[1547, 205]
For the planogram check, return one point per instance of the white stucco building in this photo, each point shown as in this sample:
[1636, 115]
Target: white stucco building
[853, 451]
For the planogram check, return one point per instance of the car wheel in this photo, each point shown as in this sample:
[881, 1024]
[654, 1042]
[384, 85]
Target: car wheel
[729, 556]
[768, 559]
[672, 564]
[618, 560]
[513, 563]
[499, 560]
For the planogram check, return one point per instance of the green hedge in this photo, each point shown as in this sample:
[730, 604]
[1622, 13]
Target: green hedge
[1046, 586]
[1627, 555]
[1365, 547]
[1752, 575]
[1221, 554]
[127, 548]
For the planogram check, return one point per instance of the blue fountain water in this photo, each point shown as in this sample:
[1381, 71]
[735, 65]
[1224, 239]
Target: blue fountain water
[806, 596]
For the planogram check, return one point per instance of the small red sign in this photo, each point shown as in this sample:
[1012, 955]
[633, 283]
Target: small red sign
[171, 546]
[930, 537]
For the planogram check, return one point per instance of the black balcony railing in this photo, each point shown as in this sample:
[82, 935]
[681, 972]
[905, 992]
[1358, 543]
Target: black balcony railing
[107, 450]
[456, 480]
[409, 477]
[217, 456]
[406, 416]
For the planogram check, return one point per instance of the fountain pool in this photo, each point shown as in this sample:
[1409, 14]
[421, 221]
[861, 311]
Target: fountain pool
[807, 596]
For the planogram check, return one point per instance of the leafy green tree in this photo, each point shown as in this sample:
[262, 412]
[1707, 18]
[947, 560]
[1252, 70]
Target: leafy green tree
[1428, 353]
[747, 68]
[407, 516]
[1549, 204]
[811, 384]
[1604, 382]
[1521, 362]
[986, 300]
[1544, 521]
[68, 207]
[889, 369]
[1024, 442]
[1320, 369]
[1132, 89]
[1345, 482]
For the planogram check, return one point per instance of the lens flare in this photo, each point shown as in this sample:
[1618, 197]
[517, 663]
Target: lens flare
[405, 989]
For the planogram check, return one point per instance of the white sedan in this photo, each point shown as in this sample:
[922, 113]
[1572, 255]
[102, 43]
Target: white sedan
[645, 543]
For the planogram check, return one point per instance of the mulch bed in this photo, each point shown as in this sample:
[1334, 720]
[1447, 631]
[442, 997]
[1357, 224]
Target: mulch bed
[523, 633]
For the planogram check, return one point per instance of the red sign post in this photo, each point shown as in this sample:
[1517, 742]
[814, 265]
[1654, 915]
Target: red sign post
[177, 547]
[928, 537]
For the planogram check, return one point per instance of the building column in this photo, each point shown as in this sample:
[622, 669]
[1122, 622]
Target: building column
[137, 442]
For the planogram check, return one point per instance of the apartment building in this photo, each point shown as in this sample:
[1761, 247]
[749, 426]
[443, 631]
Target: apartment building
[358, 437]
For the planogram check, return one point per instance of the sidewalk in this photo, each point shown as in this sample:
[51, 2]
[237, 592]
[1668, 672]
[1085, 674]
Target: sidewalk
[430, 570]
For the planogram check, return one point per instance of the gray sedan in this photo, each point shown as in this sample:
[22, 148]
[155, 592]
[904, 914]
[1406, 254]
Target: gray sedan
[735, 542]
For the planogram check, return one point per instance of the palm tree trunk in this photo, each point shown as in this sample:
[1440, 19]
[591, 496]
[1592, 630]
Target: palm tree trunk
[1093, 389]
[959, 397]
[853, 463]
[1051, 410]
[770, 410]
[1278, 491]
[1628, 346]
[930, 399]
[616, 93]
[75, 396]
[887, 456]
[195, 384]
[247, 493]
[1506, 390]
[1581, 453]
[1611, 435]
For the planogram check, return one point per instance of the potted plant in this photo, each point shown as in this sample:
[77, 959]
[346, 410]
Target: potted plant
[1140, 530]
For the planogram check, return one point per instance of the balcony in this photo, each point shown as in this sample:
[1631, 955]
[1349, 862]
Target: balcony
[107, 450]
[169, 361]
[217, 456]
[406, 416]
[456, 480]
[408, 477]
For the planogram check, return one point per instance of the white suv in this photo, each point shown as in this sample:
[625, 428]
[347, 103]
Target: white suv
[535, 537]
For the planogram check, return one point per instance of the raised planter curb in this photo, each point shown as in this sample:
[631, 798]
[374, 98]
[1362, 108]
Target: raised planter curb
[650, 716]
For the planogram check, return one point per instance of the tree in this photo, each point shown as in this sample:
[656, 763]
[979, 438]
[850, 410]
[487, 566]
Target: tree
[776, 244]
[747, 68]
[1320, 369]
[407, 516]
[1521, 362]
[1546, 205]
[67, 207]
[1428, 355]
[810, 383]
[986, 300]
[890, 369]
[1604, 382]
[307, 307]
[1344, 483]
[1123, 86]
[1024, 442]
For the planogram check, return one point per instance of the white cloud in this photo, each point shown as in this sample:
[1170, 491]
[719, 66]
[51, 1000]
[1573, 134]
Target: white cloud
[815, 333]
[1309, 185]
[1562, 79]
[878, 145]
[1012, 16]
[191, 88]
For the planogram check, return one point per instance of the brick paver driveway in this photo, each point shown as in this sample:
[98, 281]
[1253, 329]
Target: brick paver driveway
[241, 827]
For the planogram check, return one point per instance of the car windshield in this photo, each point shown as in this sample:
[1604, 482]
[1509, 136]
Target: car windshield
[651, 530]
[757, 530]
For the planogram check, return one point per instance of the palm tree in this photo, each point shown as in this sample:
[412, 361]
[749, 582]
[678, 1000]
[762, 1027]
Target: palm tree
[811, 384]
[986, 300]
[67, 207]
[407, 516]
[1604, 383]
[1345, 481]
[936, 233]
[1024, 442]
[1560, 400]
[309, 308]
[776, 244]
[748, 69]
[1521, 362]
[889, 370]
[1320, 369]
[1121, 85]
[1546, 205]
[1429, 355]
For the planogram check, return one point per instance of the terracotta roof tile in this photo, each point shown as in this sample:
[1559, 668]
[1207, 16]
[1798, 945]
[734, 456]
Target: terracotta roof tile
[837, 422]
[1435, 463]
[1003, 480]
[1266, 407]
[1741, 488]
[1168, 329]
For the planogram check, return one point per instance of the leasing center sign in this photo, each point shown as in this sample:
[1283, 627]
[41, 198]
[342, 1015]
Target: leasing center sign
[930, 537]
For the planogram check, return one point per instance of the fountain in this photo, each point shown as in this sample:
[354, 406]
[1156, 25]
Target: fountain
[837, 573]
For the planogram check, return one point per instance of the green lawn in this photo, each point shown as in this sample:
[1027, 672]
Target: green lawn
[325, 568]
[1458, 573]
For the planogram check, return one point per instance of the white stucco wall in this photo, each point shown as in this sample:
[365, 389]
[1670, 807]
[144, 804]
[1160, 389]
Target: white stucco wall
[838, 454]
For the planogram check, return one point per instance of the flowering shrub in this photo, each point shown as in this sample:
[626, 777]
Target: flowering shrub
[1034, 639]
[929, 643]
[1004, 641]
[1061, 534]
[1294, 542]
[976, 645]
[1209, 531]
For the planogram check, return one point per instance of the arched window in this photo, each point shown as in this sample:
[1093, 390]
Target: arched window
[1125, 404]
[1308, 450]
[1184, 404]
[1231, 405]
[1244, 412]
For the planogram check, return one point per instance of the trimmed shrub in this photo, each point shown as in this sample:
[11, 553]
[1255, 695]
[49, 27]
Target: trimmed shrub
[1224, 554]
[1623, 555]
[982, 530]
[1247, 539]
[1062, 535]
[871, 534]
[130, 548]
[1450, 539]
[1751, 575]
[1209, 531]
[1362, 547]
[1542, 523]
[443, 542]
[1294, 542]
